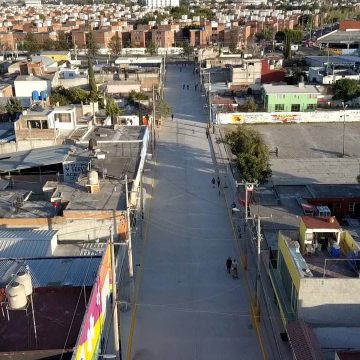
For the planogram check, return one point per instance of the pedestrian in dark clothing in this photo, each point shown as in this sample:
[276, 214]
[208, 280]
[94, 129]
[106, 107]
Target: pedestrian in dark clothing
[196, 85]
[187, 86]
[207, 133]
[277, 151]
[183, 86]
[213, 181]
[228, 264]
[172, 116]
[218, 181]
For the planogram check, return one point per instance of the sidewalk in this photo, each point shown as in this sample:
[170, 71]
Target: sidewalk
[270, 325]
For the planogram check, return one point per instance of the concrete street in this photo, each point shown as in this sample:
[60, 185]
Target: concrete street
[187, 306]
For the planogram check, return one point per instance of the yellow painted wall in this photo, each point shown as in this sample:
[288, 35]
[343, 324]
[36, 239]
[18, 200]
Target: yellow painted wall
[347, 243]
[302, 231]
[294, 273]
[58, 57]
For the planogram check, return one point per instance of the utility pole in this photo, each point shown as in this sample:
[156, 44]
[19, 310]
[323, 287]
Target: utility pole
[209, 98]
[131, 268]
[116, 319]
[258, 266]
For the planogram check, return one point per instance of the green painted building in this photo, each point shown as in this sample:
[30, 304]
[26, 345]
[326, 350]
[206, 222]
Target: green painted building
[290, 98]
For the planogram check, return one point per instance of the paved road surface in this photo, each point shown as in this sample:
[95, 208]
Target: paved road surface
[188, 307]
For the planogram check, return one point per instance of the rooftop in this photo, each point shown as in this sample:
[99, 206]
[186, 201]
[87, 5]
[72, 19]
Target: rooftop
[48, 272]
[34, 77]
[321, 222]
[139, 60]
[34, 158]
[305, 154]
[290, 89]
[59, 315]
[25, 243]
[339, 36]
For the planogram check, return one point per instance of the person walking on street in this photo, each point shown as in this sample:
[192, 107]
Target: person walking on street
[234, 271]
[183, 86]
[187, 86]
[218, 182]
[213, 181]
[228, 264]
[207, 133]
[172, 117]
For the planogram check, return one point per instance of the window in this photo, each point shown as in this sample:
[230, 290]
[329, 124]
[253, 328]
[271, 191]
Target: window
[63, 118]
[311, 107]
[279, 107]
[295, 107]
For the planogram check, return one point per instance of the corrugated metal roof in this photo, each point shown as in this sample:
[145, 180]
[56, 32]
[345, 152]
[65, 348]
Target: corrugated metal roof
[53, 271]
[24, 243]
[34, 158]
[25, 234]
[15, 248]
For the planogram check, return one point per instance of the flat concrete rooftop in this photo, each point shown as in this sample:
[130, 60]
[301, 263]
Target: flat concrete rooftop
[121, 133]
[311, 153]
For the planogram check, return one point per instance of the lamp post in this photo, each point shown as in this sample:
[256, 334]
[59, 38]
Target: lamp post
[344, 119]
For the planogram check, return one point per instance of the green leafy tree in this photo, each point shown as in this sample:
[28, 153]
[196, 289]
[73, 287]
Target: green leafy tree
[91, 45]
[188, 50]
[112, 109]
[234, 40]
[266, 34]
[48, 44]
[115, 45]
[162, 108]
[69, 96]
[13, 107]
[31, 44]
[63, 41]
[137, 96]
[92, 82]
[280, 36]
[249, 105]
[151, 48]
[252, 154]
[346, 89]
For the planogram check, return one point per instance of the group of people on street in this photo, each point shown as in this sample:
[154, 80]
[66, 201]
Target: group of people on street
[231, 267]
[187, 86]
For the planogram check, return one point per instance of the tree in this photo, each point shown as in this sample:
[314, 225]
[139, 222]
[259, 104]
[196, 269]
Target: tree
[137, 96]
[188, 50]
[48, 44]
[31, 44]
[280, 36]
[92, 81]
[13, 107]
[115, 45]
[162, 108]
[249, 105]
[234, 39]
[266, 34]
[91, 46]
[252, 154]
[346, 89]
[151, 48]
[112, 109]
[63, 41]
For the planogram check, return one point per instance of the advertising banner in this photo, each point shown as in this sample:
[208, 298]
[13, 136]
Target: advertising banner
[91, 331]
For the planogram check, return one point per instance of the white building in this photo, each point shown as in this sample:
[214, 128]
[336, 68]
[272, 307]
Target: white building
[26, 84]
[32, 2]
[156, 4]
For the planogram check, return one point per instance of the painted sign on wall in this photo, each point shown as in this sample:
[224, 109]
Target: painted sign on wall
[91, 331]
[288, 117]
[72, 170]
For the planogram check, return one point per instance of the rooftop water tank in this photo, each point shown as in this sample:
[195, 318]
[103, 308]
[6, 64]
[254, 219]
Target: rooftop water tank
[24, 278]
[93, 177]
[15, 293]
[35, 95]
